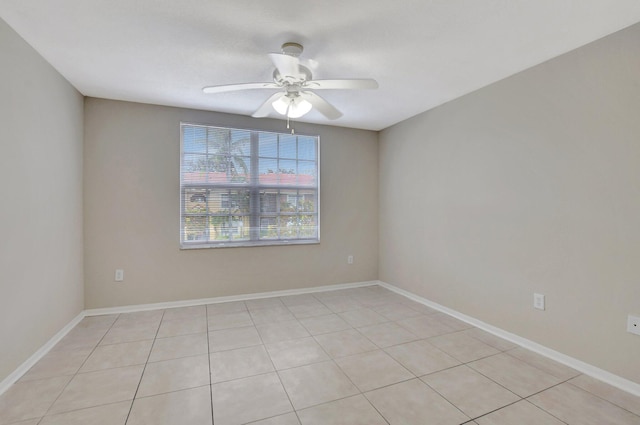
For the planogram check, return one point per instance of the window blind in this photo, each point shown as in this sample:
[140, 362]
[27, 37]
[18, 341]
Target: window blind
[246, 187]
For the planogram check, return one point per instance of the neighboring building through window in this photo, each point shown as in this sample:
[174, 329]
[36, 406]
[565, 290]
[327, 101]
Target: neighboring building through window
[246, 187]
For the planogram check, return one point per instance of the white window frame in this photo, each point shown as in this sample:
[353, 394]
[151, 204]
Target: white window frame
[255, 189]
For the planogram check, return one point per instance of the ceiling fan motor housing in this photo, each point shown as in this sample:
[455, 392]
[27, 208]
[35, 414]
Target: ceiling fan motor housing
[303, 76]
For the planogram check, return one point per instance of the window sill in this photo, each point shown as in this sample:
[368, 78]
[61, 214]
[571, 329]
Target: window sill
[248, 244]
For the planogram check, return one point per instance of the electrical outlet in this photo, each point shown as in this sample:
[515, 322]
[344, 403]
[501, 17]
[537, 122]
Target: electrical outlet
[119, 275]
[350, 259]
[538, 301]
[633, 324]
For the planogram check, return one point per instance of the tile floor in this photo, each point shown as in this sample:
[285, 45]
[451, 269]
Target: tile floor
[357, 356]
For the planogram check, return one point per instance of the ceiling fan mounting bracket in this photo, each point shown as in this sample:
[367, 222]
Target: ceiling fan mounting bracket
[292, 49]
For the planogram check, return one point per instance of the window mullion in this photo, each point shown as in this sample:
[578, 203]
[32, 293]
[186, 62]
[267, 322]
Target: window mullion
[254, 194]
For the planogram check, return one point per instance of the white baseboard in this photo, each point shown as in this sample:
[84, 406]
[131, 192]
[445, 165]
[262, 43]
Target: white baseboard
[216, 300]
[593, 371]
[28, 364]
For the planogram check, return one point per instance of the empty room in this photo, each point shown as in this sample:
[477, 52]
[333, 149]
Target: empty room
[320, 213]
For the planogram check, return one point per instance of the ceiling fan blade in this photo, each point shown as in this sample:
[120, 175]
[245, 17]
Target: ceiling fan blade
[354, 84]
[288, 66]
[324, 107]
[243, 86]
[267, 106]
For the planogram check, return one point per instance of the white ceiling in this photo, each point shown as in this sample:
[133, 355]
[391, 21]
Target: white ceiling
[422, 52]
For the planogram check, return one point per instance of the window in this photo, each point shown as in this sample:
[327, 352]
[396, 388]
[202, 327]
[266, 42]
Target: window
[244, 187]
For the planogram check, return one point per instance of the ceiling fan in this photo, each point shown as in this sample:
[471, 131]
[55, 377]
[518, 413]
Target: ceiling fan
[296, 86]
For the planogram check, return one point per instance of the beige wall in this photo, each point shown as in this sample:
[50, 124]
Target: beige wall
[41, 207]
[529, 185]
[131, 201]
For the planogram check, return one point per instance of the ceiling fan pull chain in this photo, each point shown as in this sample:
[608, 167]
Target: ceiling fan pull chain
[289, 126]
[288, 119]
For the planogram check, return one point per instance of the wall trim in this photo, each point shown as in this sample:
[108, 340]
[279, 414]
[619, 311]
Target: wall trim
[586, 368]
[42, 351]
[216, 300]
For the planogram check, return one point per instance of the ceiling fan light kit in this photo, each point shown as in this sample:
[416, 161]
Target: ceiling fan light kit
[296, 96]
[292, 107]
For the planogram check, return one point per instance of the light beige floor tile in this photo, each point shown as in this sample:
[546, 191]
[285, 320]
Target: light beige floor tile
[463, 347]
[301, 299]
[173, 375]
[28, 422]
[420, 308]
[371, 300]
[345, 343]
[229, 339]
[520, 413]
[118, 355]
[27, 400]
[57, 363]
[179, 346]
[138, 317]
[97, 322]
[80, 339]
[578, 407]
[489, 339]
[387, 334]
[354, 410]
[129, 333]
[340, 304]
[187, 407]
[362, 317]
[262, 303]
[425, 326]
[223, 308]
[97, 388]
[373, 370]
[470, 391]
[236, 319]
[249, 399]
[239, 363]
[396, 311]
[543, 363]
[452, 322]
[315, 384]
[325, 324]
[286, 419]
[301, 311]
[281, 331]
[421, 358]
[326, 295]
[271, 315]
[182, 327]
[193, 312]
[514, 374]
[414, 403]
[109, 414]
[614, 395]
[296, 352]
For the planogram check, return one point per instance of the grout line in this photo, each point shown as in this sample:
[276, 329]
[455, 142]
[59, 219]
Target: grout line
[78, 371]
[278, 375]
[206, 313]
[596, 395]
[144, 368]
